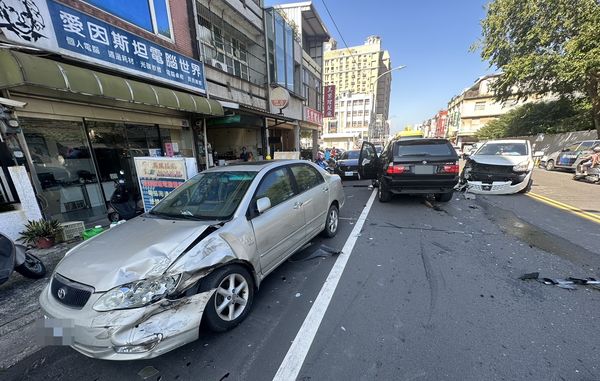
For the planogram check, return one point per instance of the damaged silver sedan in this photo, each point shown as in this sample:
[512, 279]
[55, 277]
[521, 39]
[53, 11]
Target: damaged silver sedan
[499, 167]
[144, 287]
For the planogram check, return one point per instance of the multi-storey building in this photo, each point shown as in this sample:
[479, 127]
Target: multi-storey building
[356, 73]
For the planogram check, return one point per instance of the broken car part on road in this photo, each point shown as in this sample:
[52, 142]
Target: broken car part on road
[568, 283]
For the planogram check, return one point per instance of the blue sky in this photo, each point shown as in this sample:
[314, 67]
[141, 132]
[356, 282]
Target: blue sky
[431, 37]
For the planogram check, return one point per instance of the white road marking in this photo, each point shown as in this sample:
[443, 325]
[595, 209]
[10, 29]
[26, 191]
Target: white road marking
[292, 363]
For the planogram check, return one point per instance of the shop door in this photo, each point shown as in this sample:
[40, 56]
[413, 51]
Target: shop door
[66, 179]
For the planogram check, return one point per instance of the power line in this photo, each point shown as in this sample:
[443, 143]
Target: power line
[338, 29]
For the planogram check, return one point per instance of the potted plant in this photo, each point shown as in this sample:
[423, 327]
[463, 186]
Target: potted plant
[42, 234]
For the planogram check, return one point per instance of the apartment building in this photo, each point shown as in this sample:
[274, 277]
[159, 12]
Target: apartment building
[356, 74]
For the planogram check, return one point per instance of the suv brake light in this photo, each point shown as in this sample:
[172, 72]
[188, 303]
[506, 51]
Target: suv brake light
[450, 168]
[395, 169]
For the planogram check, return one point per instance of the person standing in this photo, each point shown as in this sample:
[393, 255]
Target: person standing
[244, 154]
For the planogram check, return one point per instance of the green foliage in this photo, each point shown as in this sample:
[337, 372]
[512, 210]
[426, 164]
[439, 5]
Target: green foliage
[40, 229]
[545, 117]
[544, 46]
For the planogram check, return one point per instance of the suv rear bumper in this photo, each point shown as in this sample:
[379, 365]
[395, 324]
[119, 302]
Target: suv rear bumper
[418, 186]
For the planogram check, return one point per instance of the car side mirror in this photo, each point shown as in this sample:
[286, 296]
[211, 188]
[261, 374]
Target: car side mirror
[263, 204]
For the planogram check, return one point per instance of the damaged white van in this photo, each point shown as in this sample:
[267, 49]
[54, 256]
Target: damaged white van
[143, 288]
[499, 167]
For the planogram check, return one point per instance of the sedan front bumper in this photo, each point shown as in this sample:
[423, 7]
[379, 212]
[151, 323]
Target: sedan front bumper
[498, 187]
[131, 334]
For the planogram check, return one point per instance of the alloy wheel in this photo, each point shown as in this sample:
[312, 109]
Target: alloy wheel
[333, 220]
[231, 297]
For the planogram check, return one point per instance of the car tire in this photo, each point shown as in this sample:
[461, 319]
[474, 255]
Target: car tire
[550, 165]
[444, 197]
[383, 195]
[232, 313]
[32, 268]
[332, 222]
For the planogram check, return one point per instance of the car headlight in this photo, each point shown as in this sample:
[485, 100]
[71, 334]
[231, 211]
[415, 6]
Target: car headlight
[522, 167]
[137, 294]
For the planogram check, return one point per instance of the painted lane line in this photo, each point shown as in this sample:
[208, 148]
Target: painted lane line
[564, 206]
[572, 210]
[294, 359]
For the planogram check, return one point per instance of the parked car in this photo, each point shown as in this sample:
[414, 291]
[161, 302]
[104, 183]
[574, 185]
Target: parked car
[566, 158]
[143, 288]
[500, 167]
[347, 165]
[458, 150]
[411, 166]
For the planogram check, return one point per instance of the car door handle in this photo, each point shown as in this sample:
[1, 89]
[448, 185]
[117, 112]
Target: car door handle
[326, 189]
[297, 205]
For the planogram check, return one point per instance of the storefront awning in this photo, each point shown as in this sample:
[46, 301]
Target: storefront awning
[19, 69]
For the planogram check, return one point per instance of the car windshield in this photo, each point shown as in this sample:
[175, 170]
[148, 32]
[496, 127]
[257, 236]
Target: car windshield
[208, 196]
[350, 155]
[425, 148]
[504, 149]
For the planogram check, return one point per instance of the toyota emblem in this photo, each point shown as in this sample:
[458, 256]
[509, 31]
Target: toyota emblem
[424, 161]
[61, 293]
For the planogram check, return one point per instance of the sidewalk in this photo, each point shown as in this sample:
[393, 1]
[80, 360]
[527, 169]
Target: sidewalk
[19, 308]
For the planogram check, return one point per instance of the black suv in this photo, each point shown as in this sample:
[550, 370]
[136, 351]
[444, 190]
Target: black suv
[411, 166]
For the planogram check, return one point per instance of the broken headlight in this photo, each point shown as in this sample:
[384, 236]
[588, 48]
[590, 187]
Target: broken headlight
[137, 294]
[522, 167]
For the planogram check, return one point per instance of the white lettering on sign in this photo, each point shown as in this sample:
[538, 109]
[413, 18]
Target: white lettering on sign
[140, 49]
[156, 55]
[72, 23]
[120, 41]
[98, 33]
[196, 70]
[171, 61]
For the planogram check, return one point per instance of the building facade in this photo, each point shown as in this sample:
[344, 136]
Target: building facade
[356, 73]
[102, 86]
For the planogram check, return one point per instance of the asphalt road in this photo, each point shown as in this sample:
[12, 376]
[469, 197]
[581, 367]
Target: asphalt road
[427, 293]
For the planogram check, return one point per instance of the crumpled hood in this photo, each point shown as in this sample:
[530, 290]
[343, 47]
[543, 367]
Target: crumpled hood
[498, 160]
[137, 249]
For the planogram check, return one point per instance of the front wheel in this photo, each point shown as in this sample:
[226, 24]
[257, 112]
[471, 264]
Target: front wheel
[550, 165]
[444, 197]
[231, 302]
[332, 222]
[32, 268]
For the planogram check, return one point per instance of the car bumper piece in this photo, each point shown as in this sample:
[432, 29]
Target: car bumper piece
[498, 187]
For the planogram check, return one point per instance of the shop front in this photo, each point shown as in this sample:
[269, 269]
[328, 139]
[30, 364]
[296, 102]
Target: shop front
[238, 136]
[79, 128]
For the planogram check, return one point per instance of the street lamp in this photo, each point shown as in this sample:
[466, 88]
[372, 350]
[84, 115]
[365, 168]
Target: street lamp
[375, 93]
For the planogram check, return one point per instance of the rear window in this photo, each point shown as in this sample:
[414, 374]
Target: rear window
[350, 155]
[426, 148]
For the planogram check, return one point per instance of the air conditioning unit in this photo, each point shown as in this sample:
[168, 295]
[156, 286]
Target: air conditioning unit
[219, 65]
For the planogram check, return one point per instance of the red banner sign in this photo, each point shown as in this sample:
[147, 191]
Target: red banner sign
[313, 116]
[329, 102]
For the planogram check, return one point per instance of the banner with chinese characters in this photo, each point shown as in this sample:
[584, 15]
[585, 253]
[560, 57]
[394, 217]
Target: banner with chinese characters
[158, 177]
[313, 116]
[50, 25]
[329, 101]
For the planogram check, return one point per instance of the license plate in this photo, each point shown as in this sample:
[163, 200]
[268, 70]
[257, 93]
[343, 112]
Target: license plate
[349, 173]
[423, 169]
[486, 187]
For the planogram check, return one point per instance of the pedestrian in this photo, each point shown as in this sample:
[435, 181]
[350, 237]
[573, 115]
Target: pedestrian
[321, 160]
[244, 154]
[250, 156]
[327, 154]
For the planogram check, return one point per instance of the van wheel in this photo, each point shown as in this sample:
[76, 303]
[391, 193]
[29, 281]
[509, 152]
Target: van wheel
[444, 197]
[232, 300]
[332, 222]
[550, 165]
[383, 194]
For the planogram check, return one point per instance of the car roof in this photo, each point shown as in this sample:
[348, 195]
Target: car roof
[508, 141]
[255, 166]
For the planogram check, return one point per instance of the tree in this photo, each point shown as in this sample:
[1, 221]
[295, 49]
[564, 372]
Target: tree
[544, 47]
[562, 115]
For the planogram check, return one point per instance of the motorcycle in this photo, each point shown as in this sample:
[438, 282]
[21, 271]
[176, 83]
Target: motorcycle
[591, 175]
[16, 257]
[123, 205]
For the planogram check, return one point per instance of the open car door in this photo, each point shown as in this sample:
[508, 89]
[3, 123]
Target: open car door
[368, 162]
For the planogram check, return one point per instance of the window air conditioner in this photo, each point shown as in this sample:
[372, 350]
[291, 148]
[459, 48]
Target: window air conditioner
[218, 64]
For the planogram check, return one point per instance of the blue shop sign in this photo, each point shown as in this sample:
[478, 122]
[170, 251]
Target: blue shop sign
[95, 40]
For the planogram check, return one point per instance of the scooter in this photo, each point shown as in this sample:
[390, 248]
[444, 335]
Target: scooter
[591, 175]
[16, 257]
[122, 205]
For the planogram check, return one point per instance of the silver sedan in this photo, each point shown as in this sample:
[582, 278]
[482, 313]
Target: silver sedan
[143, 288]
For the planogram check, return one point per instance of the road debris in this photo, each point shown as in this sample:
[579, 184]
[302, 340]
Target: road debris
[470, 196]
[343, 329]
[298, 295]
[567, 283]
[148, 372]
[323, 251]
